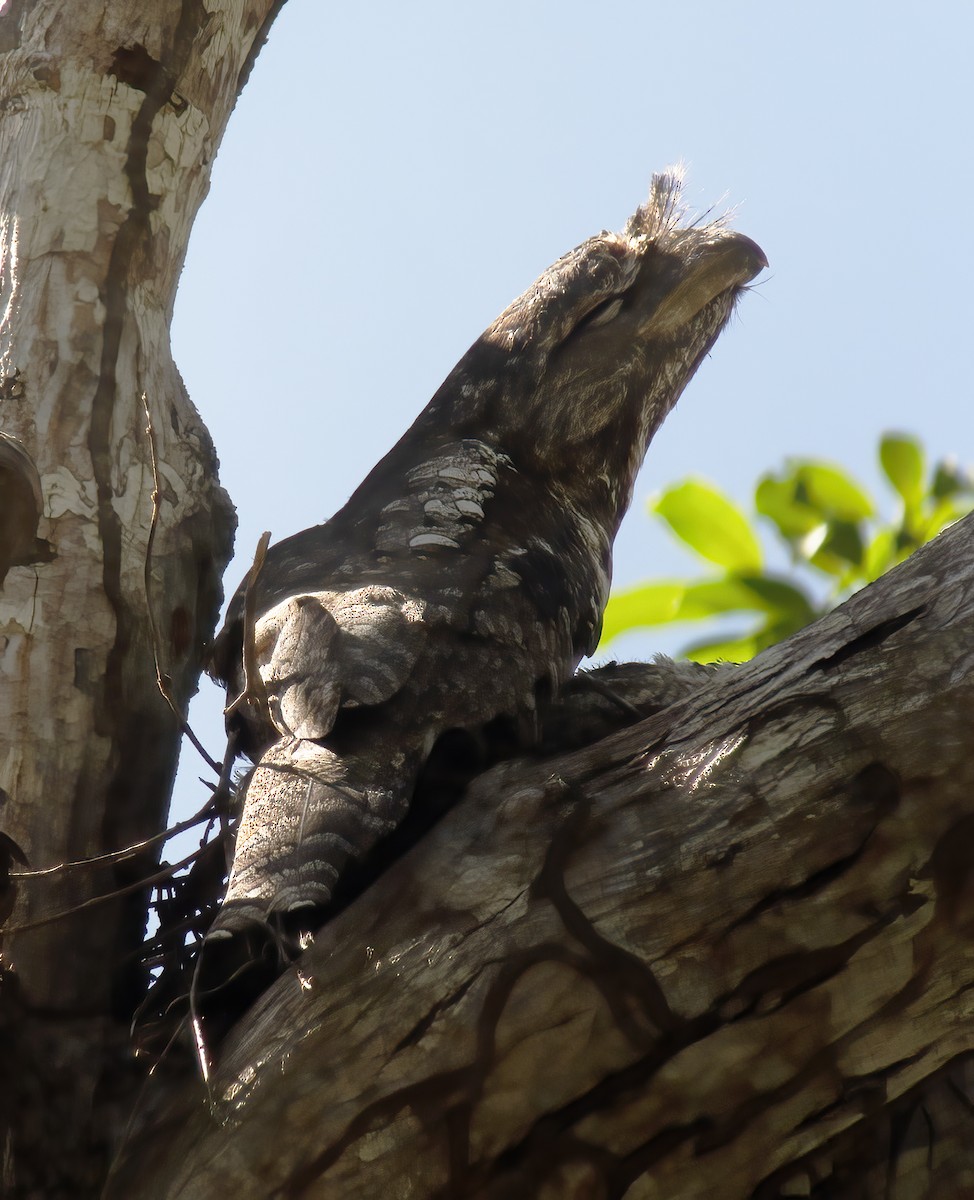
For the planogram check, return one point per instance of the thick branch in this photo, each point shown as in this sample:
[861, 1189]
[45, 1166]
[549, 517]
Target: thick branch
[110, 563]
[687, 961]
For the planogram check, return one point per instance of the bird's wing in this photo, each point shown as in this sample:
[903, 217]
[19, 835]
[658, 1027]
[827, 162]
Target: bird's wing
[321, 650]
[444, 547]
[324, 647]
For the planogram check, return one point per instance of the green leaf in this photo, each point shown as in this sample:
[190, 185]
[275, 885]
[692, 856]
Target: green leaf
[901, 458]
[834, 493]
[784, 601]
[648, 604]
[831, 564]
[944, 513]
[734, 650]
[713, 597]
[813, 541]
[710, 524]
[809, 494]
[775, 499]
[949, 479]
[774, 598]
[843, 542]
[932, 518]
[880, 554]
[829, 523]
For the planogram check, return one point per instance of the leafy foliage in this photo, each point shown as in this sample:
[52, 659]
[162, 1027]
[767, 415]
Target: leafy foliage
[836, 541]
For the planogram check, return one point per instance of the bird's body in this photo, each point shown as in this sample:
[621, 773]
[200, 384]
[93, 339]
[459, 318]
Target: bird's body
[467, 575]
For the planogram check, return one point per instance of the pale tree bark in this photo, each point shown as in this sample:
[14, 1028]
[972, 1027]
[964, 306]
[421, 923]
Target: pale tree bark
[110, 116]
[726, 951]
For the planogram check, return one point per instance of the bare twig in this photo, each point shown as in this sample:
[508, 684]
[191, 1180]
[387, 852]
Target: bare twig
[254, 691]
[165, 873]
[138, 1106]
[114, 856]
[603, 689]
[162, 681]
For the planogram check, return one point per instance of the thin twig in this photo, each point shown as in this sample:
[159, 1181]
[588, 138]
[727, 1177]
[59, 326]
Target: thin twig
[114, 856]
[166, 873]
[157, 943]
[137, 1107]
[603, 689]
[161, 680]
[223, 788]
[196, 1022]
[186, 728]
[253, 689]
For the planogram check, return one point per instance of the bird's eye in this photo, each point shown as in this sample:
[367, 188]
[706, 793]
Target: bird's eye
[601, 314]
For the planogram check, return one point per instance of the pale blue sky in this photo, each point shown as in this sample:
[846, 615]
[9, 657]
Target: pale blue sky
[395, 174]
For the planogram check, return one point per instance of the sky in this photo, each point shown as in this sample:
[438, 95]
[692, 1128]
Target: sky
[395, 174]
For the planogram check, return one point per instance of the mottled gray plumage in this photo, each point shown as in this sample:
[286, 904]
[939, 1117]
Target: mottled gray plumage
[467, 575]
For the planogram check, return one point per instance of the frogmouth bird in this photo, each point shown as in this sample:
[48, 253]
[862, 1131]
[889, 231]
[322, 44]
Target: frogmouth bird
[466, 577]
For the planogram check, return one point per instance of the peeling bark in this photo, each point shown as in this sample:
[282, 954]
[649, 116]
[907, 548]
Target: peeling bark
[726, 952]
[21, 503]
[110, 116]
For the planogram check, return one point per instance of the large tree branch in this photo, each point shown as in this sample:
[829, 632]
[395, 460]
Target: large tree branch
[723, 952]
[717, 953]
[110, 564]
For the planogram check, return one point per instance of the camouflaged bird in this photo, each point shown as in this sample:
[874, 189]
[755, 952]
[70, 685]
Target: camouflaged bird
[466, 577]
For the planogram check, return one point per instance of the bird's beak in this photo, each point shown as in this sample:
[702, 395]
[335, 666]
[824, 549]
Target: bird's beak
[730, 262]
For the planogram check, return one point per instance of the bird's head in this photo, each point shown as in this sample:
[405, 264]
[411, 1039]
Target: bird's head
[596, 352]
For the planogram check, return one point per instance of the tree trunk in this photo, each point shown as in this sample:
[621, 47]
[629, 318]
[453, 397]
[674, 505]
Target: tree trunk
[726, 951]
[110, 116]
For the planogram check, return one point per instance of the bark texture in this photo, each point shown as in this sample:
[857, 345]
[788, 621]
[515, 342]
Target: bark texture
[726, 952]
[110, 116]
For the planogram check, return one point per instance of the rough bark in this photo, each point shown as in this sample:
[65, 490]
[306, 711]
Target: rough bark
[110, 116]
[724, 952]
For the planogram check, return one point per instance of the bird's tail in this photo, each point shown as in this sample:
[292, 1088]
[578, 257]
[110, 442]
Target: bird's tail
[307, 812]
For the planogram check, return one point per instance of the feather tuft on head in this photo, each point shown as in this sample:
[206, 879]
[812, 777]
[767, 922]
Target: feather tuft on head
[664, 209]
